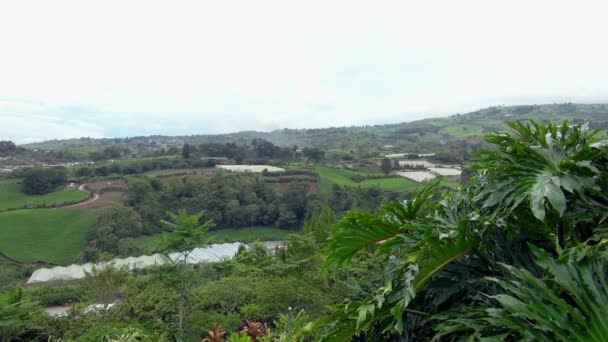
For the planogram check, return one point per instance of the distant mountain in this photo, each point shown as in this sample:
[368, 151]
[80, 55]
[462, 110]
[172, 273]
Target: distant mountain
[418, 135]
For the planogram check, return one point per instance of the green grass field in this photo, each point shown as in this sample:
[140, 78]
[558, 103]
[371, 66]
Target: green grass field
[53, 235]
[12, 197]
[156, 243]
[330, 176]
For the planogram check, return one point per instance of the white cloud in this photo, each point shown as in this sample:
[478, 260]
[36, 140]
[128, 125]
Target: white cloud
[143, 67]
[32, 128]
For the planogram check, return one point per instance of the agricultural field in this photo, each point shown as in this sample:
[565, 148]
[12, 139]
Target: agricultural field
[11, 197]
[330, 176]
[156, 243]
[49, 235]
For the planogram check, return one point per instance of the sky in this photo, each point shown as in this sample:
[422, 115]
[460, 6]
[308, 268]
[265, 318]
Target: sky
[130, 68]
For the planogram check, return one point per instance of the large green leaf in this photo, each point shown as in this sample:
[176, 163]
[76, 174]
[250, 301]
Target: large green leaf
[569, 303]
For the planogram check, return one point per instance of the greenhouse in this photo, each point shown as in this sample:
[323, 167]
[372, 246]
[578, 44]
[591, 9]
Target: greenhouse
[211, 253]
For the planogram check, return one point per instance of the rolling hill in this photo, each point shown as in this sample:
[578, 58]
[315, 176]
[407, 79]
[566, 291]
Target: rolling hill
[418, 135]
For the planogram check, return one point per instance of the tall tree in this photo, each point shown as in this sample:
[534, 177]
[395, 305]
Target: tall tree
[7, 148]
[386, 165]
[187, 150]
[185, 233]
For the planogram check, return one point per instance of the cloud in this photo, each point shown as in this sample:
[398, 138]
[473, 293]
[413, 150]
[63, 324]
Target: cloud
[140, 67]
[32, 128]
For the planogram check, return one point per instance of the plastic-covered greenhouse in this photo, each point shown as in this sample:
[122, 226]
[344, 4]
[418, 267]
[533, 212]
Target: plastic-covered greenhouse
[211, 253]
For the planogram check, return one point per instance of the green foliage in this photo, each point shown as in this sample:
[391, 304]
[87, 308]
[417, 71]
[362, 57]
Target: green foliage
[386, 165]
[114, 224]
[290, 326]
[569, 303]
[318, 223]
[15, 314]
[105, 283]
[186, 233]
[542, 167]
[7, 148]
[39, 181]
[158, 243]
[119, 333]
[444, 253]
[313, 153]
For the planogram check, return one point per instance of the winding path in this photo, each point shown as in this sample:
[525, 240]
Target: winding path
[90, 200]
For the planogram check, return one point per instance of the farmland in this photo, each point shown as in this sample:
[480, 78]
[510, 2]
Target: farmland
[50, 235]
[12, 197]
[330, 176]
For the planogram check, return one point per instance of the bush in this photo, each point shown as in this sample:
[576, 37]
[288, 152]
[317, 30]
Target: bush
[41, 181]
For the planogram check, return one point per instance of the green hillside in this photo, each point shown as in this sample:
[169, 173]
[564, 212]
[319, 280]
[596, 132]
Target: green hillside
[419, 135]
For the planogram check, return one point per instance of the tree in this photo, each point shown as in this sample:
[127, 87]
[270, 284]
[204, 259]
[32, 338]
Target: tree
[313, 153]
[185, 234]
[39, 181]
[386, 165]
[7, 148]
[105, 283]
[187, 150]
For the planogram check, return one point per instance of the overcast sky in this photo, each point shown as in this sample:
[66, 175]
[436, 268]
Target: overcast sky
[125, 68]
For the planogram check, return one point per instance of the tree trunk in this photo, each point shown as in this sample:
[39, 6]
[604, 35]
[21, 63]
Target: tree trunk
[182, 298]
[181, 314]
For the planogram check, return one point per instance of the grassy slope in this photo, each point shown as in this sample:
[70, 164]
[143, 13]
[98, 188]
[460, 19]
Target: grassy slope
[53, 235]
[155, 243]
[12, 197]
[330, 176]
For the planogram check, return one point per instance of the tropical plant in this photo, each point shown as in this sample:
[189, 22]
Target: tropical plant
[289, 327]
[216, 334]
[417, 239]
[236, 337]
[436, 252]
[544, 167]
[255, 330]
[568, 303]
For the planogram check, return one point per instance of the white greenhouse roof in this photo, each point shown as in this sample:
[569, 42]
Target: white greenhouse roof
[417, 176]
[446, 171]
[250, 168]
[211, 253]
